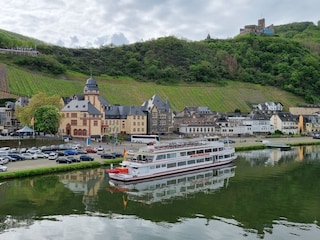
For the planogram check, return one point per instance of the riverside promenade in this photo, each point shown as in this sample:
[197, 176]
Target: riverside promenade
[239, 142]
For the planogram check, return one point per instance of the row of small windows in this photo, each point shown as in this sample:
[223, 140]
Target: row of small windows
[188, 153]
[138, 117]
[192, 161]
[80, 132]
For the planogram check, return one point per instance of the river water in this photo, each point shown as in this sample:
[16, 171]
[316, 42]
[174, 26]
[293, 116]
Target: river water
[266, 194]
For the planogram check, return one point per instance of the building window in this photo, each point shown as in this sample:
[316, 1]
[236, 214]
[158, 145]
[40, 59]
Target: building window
[95, 123]
[73, 122]
[84, 122]
[73, 115]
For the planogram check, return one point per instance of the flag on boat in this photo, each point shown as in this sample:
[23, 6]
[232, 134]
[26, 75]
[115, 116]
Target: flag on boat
[124, 153]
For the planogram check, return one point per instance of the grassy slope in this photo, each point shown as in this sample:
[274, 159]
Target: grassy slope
[125, 91]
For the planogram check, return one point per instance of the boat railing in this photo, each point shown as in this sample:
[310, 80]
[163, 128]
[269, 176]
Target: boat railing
[178, 145]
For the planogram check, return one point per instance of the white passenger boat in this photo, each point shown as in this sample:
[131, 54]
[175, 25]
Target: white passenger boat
[180, 185]
[172, 157]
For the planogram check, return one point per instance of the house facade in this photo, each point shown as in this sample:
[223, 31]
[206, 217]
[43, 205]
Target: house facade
[159, 115]
[285, 122]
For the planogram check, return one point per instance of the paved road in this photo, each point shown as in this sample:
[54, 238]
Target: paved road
[42, 163]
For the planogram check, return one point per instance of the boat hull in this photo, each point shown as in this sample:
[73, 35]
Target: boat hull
[130, 178]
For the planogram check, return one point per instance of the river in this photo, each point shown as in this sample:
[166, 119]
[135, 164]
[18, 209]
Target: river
[266, 194]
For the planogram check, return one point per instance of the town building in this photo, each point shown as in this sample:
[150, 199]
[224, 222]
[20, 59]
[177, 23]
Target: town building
[159, 115]
[285, 122]
[193, 116]
[89, 115]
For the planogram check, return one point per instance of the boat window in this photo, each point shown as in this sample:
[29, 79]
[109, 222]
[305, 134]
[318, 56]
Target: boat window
[171, 182]
[171, 155]
[163, 165]
[208, 159]
[214, 149]
[191, 162]
[208, 150]
[190, 153]
[200, 160]
[180, 180]
[199, 151]
[170, 165]
[182, 154]
[191, 178]
[200, 176]
[182, 163]
[220, 149]
[161, 156]
[220, 157]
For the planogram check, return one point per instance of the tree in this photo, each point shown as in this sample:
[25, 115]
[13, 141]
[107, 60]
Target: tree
[25, 114]
[47, 119]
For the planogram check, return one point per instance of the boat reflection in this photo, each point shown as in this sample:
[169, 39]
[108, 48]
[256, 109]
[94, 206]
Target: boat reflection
[175, 186]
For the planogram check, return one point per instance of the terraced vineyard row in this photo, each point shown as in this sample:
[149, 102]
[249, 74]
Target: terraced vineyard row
[27, 84]
[234, 95]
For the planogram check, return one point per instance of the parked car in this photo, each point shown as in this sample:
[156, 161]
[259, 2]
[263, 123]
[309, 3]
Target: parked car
[117, 154]
[33, 150]
[60, 153]
[70, 152]
[7, 158]
[91, 150]
[63, 160]
[23, 150]
[3, 168]
[99, 149]
[41, 155]
[107, 156]
[73, 159]
[17, 156]
[86, 158]
[53, 156]
[82, 151]
[28, 156]
[3, 160]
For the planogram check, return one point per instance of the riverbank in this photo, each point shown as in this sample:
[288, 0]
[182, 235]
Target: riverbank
[45, 166]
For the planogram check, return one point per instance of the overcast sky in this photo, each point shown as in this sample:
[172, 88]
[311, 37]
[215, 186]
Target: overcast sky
[93, 23]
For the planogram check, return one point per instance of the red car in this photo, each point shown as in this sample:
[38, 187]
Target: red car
[91, 150]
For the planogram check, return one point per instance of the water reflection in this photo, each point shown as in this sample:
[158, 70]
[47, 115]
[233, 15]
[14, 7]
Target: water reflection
[85, 184]
[275, 156]
[175, 186]
[268, 194]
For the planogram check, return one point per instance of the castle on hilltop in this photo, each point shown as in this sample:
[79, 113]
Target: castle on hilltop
[259, 29]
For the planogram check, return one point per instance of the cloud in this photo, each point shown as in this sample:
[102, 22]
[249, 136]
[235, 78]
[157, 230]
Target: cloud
[119, 39]
[100, 22]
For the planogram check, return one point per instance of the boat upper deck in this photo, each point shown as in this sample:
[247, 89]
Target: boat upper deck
[181, 145]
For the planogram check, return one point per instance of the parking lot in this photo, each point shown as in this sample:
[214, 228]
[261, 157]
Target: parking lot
[45, 162]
